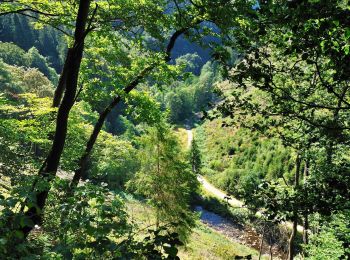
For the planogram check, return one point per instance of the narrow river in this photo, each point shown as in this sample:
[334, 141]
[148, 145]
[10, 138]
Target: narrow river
[237, 233]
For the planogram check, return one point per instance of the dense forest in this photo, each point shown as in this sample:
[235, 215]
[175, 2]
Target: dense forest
[175, 129]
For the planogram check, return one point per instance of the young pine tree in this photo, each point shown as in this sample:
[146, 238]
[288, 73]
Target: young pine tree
[195, 157]
[165, 178]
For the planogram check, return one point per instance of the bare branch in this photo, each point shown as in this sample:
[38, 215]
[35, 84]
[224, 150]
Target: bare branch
[46, 23]
[20, 11]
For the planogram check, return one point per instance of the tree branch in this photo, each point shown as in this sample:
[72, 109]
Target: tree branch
[21, 11]
[46, 23]
[327, 86]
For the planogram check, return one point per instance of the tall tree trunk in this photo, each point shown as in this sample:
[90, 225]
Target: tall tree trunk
[291, 246]
[61, 86]
[305, 229]
[306, 215]
[91, 142]
[72, 65]
[297, 171]
[261, 243]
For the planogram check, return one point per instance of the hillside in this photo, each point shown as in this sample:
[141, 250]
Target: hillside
[149, 129]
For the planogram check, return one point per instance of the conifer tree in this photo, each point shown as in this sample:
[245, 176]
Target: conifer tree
[195, 157]
[165, 179]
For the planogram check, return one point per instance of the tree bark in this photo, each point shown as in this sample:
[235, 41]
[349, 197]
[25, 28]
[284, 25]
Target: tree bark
[80, 172]
[305, 229]
[297, 171]
[61, 86]
[261, 243]
[72, 67]
[291, 246]
[306, 215]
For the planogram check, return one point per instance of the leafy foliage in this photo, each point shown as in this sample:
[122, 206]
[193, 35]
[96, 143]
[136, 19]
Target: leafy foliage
[21, 31]
[15, 56]
[237, 160]
[195, 157]
[332, 240]
[281, 67]
[165, 178]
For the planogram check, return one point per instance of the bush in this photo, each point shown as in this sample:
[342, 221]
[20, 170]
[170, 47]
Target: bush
[237, 159]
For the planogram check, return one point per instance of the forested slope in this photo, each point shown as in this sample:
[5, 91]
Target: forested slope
[93, 155]
[20, 30]
[237, 160]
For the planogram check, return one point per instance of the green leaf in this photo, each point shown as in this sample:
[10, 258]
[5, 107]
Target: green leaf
[19, 234]
[347, 33]
[170, 250]
[26, 222]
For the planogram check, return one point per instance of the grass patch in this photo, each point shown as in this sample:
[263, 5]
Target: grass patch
[181, 134]
[243, 217]
[205, 243]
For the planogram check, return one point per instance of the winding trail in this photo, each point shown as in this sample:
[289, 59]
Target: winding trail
[222, 195]
[218, 193]
[189, 137]
[208, 186]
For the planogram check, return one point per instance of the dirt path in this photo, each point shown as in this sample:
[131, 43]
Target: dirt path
[218, 193]
[222, 195]
[208, 186]
[189, 137]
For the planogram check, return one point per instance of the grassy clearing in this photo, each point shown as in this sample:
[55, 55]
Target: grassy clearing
[204, 242]
[236, 159]
[181, 134]
[140, 213]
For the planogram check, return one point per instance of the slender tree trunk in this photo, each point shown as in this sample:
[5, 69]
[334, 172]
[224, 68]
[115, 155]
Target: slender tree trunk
[297, 171]
[306, 215]
[291, 246]
[91, 142]
[305, 229]
[72, 65]
[62, 82]
[97, 128]
[261, 243]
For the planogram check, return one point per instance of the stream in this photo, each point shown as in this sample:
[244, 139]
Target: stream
[238, 233]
